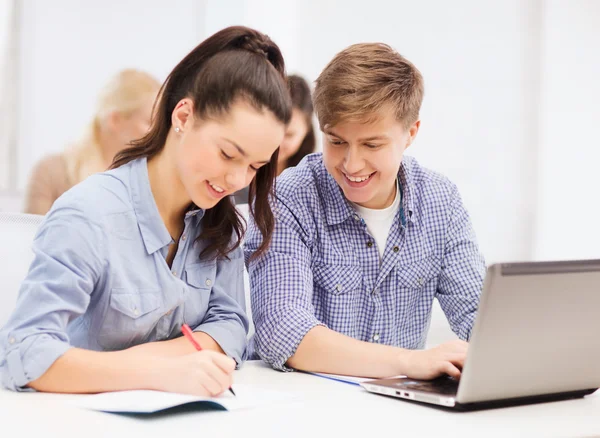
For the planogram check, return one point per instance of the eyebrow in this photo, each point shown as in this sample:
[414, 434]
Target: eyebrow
[374, 137]
[241, 151]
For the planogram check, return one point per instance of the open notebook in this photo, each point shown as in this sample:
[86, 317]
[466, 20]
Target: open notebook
[148, 402]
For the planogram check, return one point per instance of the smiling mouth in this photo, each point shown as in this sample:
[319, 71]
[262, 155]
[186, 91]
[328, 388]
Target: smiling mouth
[216, 188]
[358, 179]
[215, 191]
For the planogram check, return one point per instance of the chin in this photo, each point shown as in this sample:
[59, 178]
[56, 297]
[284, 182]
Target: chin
[203, 203]
[357, 199]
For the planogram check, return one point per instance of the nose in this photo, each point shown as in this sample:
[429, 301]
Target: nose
[353, 161]
[236, 178]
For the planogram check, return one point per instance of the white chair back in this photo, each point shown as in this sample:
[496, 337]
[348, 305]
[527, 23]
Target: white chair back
[17, 231]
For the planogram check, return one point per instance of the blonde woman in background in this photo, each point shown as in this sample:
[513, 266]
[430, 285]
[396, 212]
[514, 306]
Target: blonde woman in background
[123, 114]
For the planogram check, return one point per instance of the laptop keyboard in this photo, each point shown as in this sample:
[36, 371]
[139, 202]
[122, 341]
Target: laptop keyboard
[441, 385]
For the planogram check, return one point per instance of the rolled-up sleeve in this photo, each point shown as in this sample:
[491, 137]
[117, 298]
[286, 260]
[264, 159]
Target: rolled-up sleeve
[226, 320]
[463, 271]
[281, 285]
[67, 264]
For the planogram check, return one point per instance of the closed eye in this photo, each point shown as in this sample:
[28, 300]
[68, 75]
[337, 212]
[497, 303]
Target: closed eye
[224, 155]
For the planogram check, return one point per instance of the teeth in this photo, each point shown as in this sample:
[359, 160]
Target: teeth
[357, 178]
[217, 188]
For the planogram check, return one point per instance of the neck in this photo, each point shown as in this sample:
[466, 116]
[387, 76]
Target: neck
[392, 196]
[281, 166]
[376, 205]
[168, 191]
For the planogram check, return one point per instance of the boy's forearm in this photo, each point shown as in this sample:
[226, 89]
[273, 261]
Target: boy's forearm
[327, 351]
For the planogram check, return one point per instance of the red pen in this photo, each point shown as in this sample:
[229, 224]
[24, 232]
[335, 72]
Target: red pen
[187, 332]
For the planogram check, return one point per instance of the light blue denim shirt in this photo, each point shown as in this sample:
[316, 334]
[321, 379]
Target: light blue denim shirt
[100, 280]
[323, 267]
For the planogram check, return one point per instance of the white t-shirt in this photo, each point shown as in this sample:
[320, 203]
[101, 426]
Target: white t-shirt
[379, 222]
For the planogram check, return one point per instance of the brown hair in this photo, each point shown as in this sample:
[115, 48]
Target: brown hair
[363, 78]
[301, 99]
[236, 62]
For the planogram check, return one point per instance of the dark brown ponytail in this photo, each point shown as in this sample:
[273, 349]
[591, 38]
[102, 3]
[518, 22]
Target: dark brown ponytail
[236, 62]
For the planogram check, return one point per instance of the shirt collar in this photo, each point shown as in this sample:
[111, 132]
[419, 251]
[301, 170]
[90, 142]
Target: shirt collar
[154, 232]
[338, 208]
[407, 185]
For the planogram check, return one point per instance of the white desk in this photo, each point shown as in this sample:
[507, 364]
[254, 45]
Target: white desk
[323, 408]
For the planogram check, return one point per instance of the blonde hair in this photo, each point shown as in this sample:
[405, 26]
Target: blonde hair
[125, 93]
[362, 79]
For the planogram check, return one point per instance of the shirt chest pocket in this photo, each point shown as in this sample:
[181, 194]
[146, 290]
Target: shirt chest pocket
[337, 280]
[130, 317]
[419, 275]
[201, 275]
[337, 295]
[200, 278]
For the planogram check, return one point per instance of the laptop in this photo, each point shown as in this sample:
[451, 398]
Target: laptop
[536, 338]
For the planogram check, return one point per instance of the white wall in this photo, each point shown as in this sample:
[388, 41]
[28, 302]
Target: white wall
[479, 63]
[10, 202]
[71, 48]
[509, 109]
[7, 96]
[568, 222]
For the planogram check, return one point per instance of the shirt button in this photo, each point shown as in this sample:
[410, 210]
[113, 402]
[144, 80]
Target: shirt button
[183, 237]
[338, 287]
[396, 249]
[174, 273]
[356, 217]
[376, 337]
[208, 282]
[420, 281]
[136, 312]
[12, 340]
[369, 244]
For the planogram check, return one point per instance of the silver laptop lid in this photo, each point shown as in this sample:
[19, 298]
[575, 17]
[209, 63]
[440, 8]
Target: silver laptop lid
[537, 332]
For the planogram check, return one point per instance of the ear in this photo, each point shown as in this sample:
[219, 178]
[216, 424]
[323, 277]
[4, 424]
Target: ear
[183, 115]
[412, 133]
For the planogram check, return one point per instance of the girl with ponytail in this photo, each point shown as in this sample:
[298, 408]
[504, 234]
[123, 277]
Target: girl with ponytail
[128, 256]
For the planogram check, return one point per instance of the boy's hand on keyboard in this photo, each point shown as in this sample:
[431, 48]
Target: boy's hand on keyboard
[447, 358]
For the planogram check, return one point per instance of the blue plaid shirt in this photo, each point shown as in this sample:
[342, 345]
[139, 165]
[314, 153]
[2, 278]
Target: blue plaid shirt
[323, 266]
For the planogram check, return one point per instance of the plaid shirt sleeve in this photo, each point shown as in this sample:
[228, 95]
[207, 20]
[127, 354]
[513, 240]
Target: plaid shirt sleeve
[463, 270]
[281, 284]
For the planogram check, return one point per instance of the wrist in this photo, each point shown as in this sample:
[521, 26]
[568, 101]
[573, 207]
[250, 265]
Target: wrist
[403, 359]
[145, 370]
[153, 372]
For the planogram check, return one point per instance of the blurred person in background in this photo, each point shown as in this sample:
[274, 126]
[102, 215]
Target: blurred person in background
[299, 140]
[123, 113]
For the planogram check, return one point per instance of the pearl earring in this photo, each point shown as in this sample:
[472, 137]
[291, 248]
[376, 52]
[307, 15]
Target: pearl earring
[177, 129]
